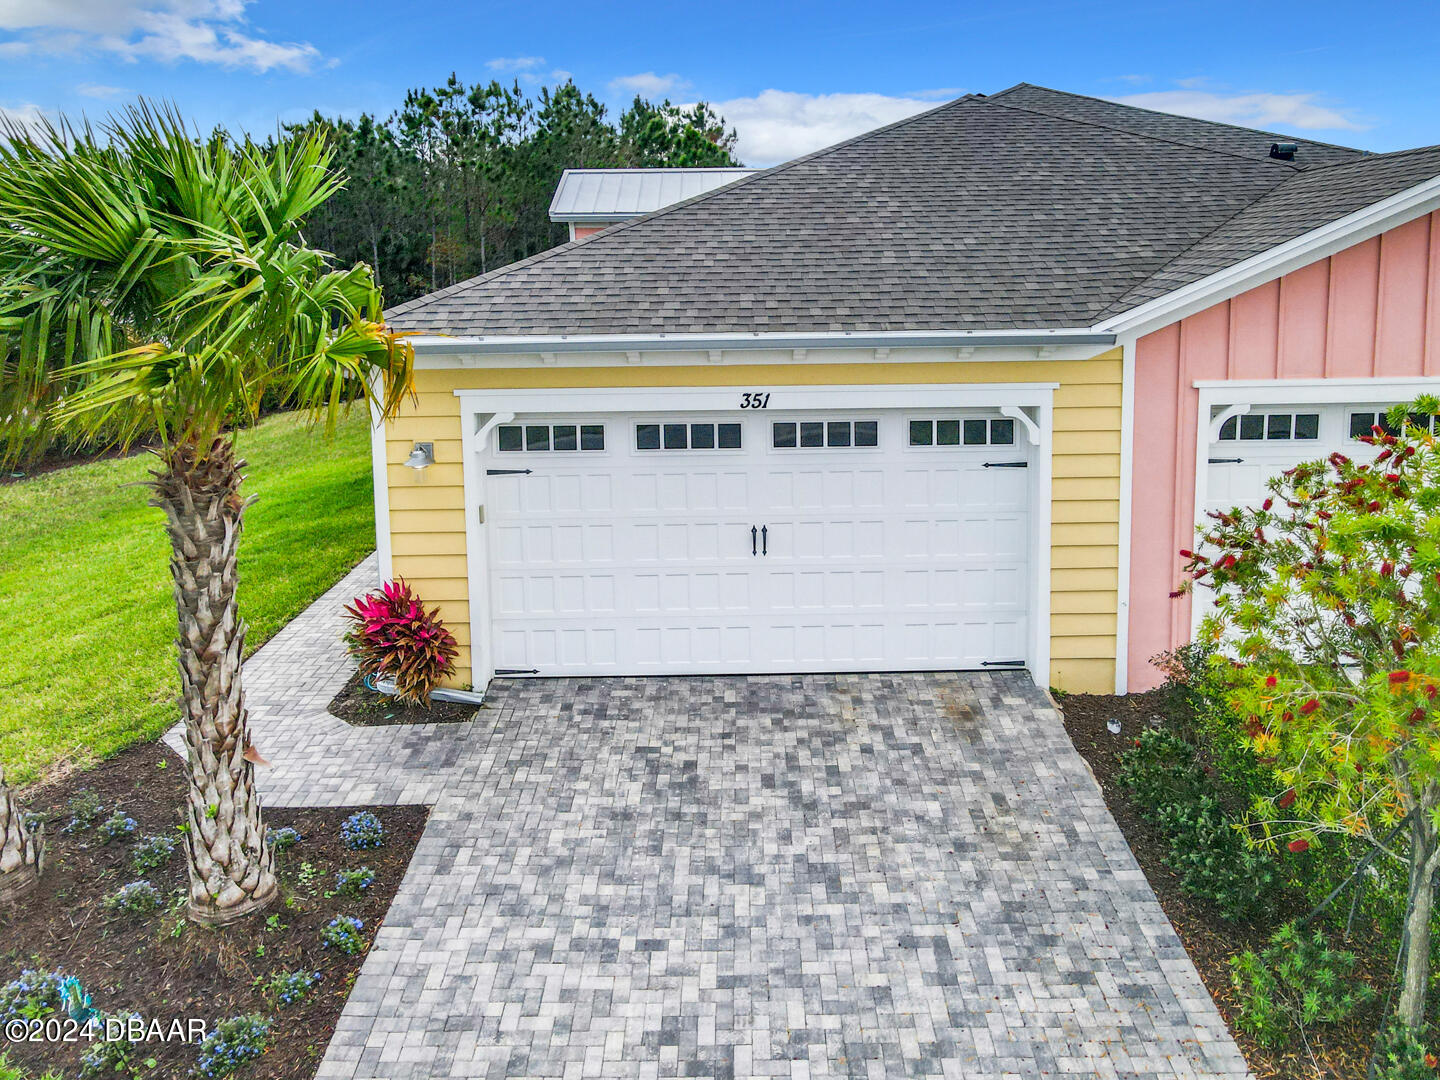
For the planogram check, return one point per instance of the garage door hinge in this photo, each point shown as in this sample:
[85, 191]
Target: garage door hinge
[1002, 663]
[1226, 460]
[517, 671]
[507, 472]
[1007, 464]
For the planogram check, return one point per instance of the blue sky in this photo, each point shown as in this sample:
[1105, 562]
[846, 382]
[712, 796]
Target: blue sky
[790, 76]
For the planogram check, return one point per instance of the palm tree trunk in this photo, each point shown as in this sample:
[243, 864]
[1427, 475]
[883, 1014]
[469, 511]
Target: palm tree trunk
[231, 868]
[22, 853]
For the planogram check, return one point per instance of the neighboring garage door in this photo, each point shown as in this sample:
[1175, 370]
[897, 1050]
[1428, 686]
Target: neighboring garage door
[788, 542]
[1260, 444]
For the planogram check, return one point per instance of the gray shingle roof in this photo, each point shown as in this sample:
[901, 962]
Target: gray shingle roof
[1208, 134]
[984, 213]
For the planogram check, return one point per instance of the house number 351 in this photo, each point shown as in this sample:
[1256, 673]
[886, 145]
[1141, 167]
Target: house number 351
[755, 400]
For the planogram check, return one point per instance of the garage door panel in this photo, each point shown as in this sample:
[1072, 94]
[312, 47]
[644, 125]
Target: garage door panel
[875, 558]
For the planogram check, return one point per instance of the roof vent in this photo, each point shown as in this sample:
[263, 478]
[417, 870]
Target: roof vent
[1284, 151]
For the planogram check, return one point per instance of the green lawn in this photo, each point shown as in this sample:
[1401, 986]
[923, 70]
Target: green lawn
[87, 623]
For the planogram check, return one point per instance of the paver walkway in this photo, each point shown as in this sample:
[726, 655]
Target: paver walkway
[799, 876]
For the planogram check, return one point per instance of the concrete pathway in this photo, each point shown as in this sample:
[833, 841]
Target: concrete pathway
[797, 876]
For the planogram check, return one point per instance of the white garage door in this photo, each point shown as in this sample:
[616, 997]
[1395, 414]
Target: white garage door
[671, 544]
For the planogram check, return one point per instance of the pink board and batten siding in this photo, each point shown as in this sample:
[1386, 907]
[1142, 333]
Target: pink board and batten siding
[1370, 310]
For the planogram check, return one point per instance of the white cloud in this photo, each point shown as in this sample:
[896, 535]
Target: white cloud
[97, 90]
[1296, 112]
[515, 63]
[777, 125]
[649, 85]
[204, 31]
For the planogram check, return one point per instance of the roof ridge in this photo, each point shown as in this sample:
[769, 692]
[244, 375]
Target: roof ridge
[1196, 119]
[1290, 165]
[1384, 155]
[624, 226]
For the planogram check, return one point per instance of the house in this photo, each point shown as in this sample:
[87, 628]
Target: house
[948, 395]
[588, 200]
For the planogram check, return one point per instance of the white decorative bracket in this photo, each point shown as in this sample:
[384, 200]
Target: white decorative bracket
[964, 352]
[1046, 350]
[632, 357]
[495, 420]
[882, 354]
[715, 355]
[797, 355]
[1032, 429]
[1225, 414]
[548, 358]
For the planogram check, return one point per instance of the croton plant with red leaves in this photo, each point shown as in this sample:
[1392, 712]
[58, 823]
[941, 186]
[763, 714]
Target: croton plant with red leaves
[394, 637]
[1327, 633]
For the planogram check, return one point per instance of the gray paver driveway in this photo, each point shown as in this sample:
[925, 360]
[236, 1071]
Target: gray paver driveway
[807, 876]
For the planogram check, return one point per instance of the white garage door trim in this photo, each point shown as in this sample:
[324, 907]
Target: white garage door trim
[482, 410]
[1220, 400]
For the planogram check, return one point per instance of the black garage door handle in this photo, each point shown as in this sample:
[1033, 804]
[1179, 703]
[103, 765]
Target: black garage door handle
[764, 540]
[752, 540]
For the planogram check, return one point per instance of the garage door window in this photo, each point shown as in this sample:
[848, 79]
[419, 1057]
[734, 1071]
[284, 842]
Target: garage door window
[1271, 427]
[513, 438]
[679, 436]
[815, 434]
[1363, 423]
[973, 432]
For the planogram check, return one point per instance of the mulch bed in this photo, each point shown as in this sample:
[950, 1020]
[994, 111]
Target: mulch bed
[1341, 1051]
[163, 967]
[359, 705]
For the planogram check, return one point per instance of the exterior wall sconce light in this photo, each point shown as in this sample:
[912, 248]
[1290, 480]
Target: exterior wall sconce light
[422, 457]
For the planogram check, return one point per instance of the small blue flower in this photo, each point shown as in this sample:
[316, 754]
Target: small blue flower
[362, 830]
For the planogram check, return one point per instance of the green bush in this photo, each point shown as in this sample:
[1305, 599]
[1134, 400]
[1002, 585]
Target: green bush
[1215, 861]
[1401, 1056]
[1297, 981]
[1159, 772]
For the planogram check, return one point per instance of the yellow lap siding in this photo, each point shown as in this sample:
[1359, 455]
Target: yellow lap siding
[427, 509]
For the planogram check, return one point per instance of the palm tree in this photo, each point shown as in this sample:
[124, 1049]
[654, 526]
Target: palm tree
[170, 272]
[22, 852]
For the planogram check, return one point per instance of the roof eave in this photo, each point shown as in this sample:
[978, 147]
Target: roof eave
[828, 339]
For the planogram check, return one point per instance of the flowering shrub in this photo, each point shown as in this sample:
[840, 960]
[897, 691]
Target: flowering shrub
[33, 995]
[362, 830]
[118, 827]
[354, 882]
[85, 809]
[282, 839]
[343, 933]
[107, 1055]
[233, 1042]
[394, 637]
[291, 986]
[1327, 629]
[137, 898]
[152, 852]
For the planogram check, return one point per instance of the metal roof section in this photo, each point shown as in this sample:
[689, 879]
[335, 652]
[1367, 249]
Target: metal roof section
[603, 195]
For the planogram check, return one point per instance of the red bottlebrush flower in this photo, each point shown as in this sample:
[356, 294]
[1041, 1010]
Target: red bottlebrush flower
[1267, 504]
[1253, 727]
[1392, 477]
[1431, 691]
[1405, 571]
[1409, 451]
[1309, 707]
[1399, 676]
[1383, 455]
[1137, 743]
[1227, 562]
[1417, 714]
[1286, 799]
[1186, 553]
[1287, 716]
[1271, 681]
[1177, 594]
[1373, 506]
[1387, 568]
[1297, 846]
[1376, 429]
